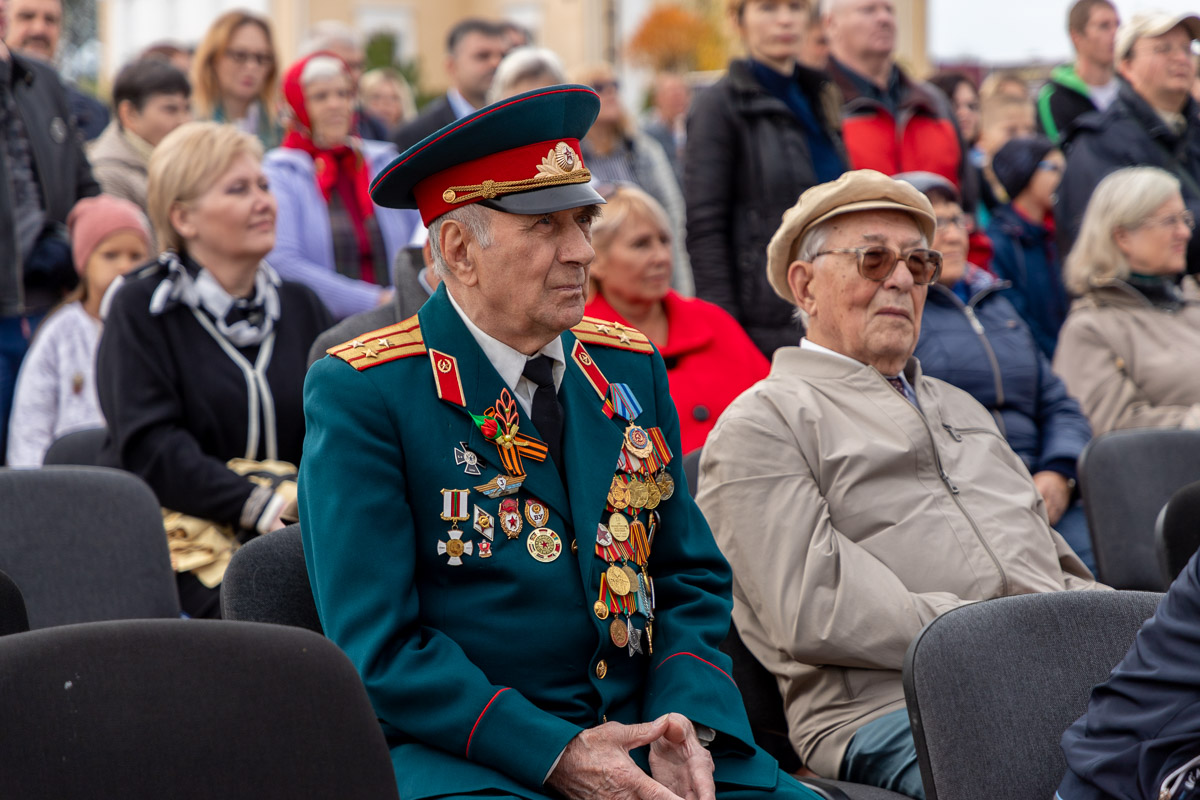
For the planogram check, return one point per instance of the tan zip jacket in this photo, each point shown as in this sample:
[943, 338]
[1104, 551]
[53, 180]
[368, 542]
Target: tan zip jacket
[852, 519]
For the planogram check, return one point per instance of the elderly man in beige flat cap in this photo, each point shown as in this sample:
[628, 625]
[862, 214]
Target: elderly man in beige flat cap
[856, 499]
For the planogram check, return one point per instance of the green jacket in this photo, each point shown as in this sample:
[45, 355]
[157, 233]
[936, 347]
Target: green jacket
[1063, 98]
[481, 672]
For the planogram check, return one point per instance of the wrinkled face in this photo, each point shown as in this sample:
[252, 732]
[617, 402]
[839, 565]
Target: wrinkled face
[1159, 245]
[473, 63]
[1160, 69]
[966, 110]
[1099, 35]
[116, 254]
[876, 323]
[160, 114]
[951, 239]
[34, 27]
[636, 265]
[234, 219]
[243, 68]
[772, 29]
[533, 277]
[330, 106]
[863, 27]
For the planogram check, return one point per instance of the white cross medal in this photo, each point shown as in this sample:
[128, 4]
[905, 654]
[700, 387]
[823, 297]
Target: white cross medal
[456, 548]
[455, 509]
[466, 459]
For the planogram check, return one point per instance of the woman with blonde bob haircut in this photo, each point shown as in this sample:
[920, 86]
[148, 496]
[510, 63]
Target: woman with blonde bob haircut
[204, 352]
[1130, 348]
[710, 359]
[234, 73]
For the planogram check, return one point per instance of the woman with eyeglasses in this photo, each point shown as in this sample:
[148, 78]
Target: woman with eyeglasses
[710, 359]
[973, 338]
[1024, 253]
[617, 153]
[330, 235]
[234, 74]
[1130, 348]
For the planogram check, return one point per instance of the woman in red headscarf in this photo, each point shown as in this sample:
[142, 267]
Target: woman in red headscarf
[329, 234]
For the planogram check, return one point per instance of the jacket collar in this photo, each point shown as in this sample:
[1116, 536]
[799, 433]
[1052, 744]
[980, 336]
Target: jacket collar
[1134, 106]
[914, 97]
[753, 96]
[980, 283]
[1124, 294]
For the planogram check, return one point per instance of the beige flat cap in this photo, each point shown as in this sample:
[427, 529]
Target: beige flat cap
[860, 190]
[1149, 24]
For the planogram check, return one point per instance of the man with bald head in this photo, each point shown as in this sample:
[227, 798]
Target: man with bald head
[855, 498]
[890, 122]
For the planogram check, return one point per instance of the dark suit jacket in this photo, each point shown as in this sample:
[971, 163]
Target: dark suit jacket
[434, 117]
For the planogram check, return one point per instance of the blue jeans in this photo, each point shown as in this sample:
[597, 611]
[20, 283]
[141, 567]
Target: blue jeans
[1073, 527]
[15, 334]
[882, 753]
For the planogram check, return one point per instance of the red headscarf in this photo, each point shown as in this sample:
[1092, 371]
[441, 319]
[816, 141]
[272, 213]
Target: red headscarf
[340, 163]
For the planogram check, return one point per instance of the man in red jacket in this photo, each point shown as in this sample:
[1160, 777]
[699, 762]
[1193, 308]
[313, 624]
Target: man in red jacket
[891, 123]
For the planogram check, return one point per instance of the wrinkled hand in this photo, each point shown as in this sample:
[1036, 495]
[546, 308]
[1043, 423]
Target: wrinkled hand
[1055, 491]
[679, 762]
[596, 764]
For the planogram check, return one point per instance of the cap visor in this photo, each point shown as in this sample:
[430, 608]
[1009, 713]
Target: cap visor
[544, 201]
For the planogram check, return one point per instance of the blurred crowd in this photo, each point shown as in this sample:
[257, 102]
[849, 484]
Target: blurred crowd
[174, 260]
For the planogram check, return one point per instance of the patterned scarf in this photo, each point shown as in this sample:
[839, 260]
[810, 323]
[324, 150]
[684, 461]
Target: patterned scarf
[243, 321]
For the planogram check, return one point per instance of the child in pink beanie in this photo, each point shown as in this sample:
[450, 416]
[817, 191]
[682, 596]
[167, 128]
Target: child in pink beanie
[56, 388]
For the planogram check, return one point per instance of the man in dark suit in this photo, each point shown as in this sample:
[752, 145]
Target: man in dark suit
[474, 49]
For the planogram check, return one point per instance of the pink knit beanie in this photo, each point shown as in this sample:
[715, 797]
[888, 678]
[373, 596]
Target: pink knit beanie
[94, 219]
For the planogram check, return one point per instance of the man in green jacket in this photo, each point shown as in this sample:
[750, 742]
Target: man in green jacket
[1090, 84]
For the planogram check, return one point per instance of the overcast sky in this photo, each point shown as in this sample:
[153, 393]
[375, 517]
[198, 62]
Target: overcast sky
[1015, 30]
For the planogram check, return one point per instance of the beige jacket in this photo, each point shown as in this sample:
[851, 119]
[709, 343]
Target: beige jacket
[851, 520]
[119, 166]
[1132, 364]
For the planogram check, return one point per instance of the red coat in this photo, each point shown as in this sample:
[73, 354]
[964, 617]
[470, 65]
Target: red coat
[710, 360]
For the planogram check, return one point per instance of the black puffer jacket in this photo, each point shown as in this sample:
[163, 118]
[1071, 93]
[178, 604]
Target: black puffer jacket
[747, 162]
[1129, 133]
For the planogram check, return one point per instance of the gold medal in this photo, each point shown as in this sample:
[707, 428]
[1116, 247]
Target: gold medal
[619, 632]
[632, 576]
[454, 548]
[601, 609]
[618, 581]
[619, 526]
[544, 545]
[653, 494]
[639, 495]
[637, 441]
[666, 485]
[618, 493]
[537, 514]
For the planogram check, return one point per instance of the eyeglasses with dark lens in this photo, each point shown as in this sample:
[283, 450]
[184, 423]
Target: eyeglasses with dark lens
[243, 57]
[877, 263]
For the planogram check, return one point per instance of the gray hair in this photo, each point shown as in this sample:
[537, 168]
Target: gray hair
[1123, 200]
[474, 218]
[327, 34]
[522, 64]
[811, 243]
[322, 68]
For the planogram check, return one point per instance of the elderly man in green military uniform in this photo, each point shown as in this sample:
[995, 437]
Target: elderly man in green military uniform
[495, 518]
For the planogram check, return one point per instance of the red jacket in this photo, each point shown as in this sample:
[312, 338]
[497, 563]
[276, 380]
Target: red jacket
[921, 137]
[710, 360]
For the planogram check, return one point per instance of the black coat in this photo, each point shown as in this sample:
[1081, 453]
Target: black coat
[1129, 133]
[176, 405]
[747, 161]
[433, 117]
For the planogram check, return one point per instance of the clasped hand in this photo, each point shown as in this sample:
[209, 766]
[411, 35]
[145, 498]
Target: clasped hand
[596, 764]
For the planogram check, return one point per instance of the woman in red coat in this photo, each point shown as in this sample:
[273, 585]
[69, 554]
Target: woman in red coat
[710, 359]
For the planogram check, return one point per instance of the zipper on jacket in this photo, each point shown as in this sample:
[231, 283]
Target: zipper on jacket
[977, 326]
[952, 487]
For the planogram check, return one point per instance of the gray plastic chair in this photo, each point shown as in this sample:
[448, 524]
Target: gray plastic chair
[1177, 532]
[13, 618]
[186, 709]
[267, 581]
[79, 448]
[992, 686]
[1126, 477]
[85, 544]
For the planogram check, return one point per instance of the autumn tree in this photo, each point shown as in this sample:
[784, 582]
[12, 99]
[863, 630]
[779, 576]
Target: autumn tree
[673, 39]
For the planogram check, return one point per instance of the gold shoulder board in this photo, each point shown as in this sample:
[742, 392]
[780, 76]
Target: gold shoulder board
[379, 347]
[612, 334]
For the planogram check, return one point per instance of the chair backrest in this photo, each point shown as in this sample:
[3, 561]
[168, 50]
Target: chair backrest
[1126, 478]
[1177, 534]
[991, 687]
[764, 706]
[691, 470]
[85, 544]
[79, 448]
[186, 709]
[267, 581]
[13, 618]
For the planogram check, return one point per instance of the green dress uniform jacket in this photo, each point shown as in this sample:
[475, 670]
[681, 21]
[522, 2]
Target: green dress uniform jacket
[482, 671]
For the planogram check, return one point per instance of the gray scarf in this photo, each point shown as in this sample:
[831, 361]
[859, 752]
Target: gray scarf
[244, 322]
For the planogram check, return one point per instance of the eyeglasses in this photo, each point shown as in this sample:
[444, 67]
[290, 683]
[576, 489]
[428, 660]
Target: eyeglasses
[243, 57]
[1165, 48]
[1185, 218]
[603, 86]
[1050, 166]
[877, 263]
[962, 221]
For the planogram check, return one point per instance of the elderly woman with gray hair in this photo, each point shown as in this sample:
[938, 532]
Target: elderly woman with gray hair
[330, 235]
[1130, 348]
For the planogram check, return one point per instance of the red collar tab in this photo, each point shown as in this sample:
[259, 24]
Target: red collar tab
[554, 162]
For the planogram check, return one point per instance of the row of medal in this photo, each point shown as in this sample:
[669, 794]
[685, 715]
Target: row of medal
[542, 543]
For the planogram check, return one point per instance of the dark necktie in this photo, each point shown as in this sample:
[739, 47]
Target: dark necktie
[547, 414]
[898, 385]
